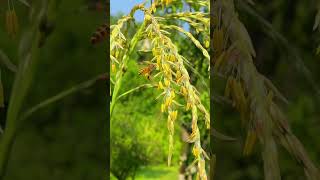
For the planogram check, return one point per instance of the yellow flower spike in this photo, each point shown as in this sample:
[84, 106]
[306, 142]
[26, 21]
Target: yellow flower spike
[173, 115]
[159, 61]
[207, 44]
[173, 70]
[147, 18]
[178, 74]
[188, 106]
[153, 8]
[166, 68]
[169, 101]
[160, 86]
[169, 122]
[178, 80]
[183, 90]
[163, 108]
[117, 54]
[154, 52]
[202, 172]
[166, 57]
[166, 102]
[168, 75]
[192, 138]
[207, 119]
[172, 58]
[113, 68]
[196, 151]
[173, 95]
[170, 117]
[166, 82]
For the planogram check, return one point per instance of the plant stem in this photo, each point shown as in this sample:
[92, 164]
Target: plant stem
[135, 89]
[59, 96]
[120, 73]
[20, 89]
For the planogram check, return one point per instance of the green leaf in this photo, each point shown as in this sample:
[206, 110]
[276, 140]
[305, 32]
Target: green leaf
[135, 89]
[221, 136]
[60, 96]
[4, 59]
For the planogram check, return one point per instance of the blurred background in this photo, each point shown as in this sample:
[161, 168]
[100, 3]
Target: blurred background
[66, 139]
[286, 54]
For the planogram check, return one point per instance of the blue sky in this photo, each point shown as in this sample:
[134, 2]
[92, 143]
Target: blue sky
[125, 6]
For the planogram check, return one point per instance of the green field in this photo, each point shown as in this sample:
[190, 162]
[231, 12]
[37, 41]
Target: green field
[156, 172]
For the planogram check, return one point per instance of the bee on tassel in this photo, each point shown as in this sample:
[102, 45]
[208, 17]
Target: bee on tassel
[146, 71]
[100, 34]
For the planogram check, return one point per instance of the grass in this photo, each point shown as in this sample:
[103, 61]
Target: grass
[158, 172]
[162, 172]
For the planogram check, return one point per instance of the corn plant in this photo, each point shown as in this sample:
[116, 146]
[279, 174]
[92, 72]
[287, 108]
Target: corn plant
[252, 94]
[41, 14]
[167, 69]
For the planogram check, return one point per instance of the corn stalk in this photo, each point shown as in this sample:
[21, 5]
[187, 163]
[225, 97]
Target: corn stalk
[23, 80]
[172, 77]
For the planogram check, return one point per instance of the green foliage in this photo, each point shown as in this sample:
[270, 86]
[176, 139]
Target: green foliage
[138, 137]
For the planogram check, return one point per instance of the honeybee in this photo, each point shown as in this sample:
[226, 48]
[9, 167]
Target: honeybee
[146, 71]
[100, 34]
